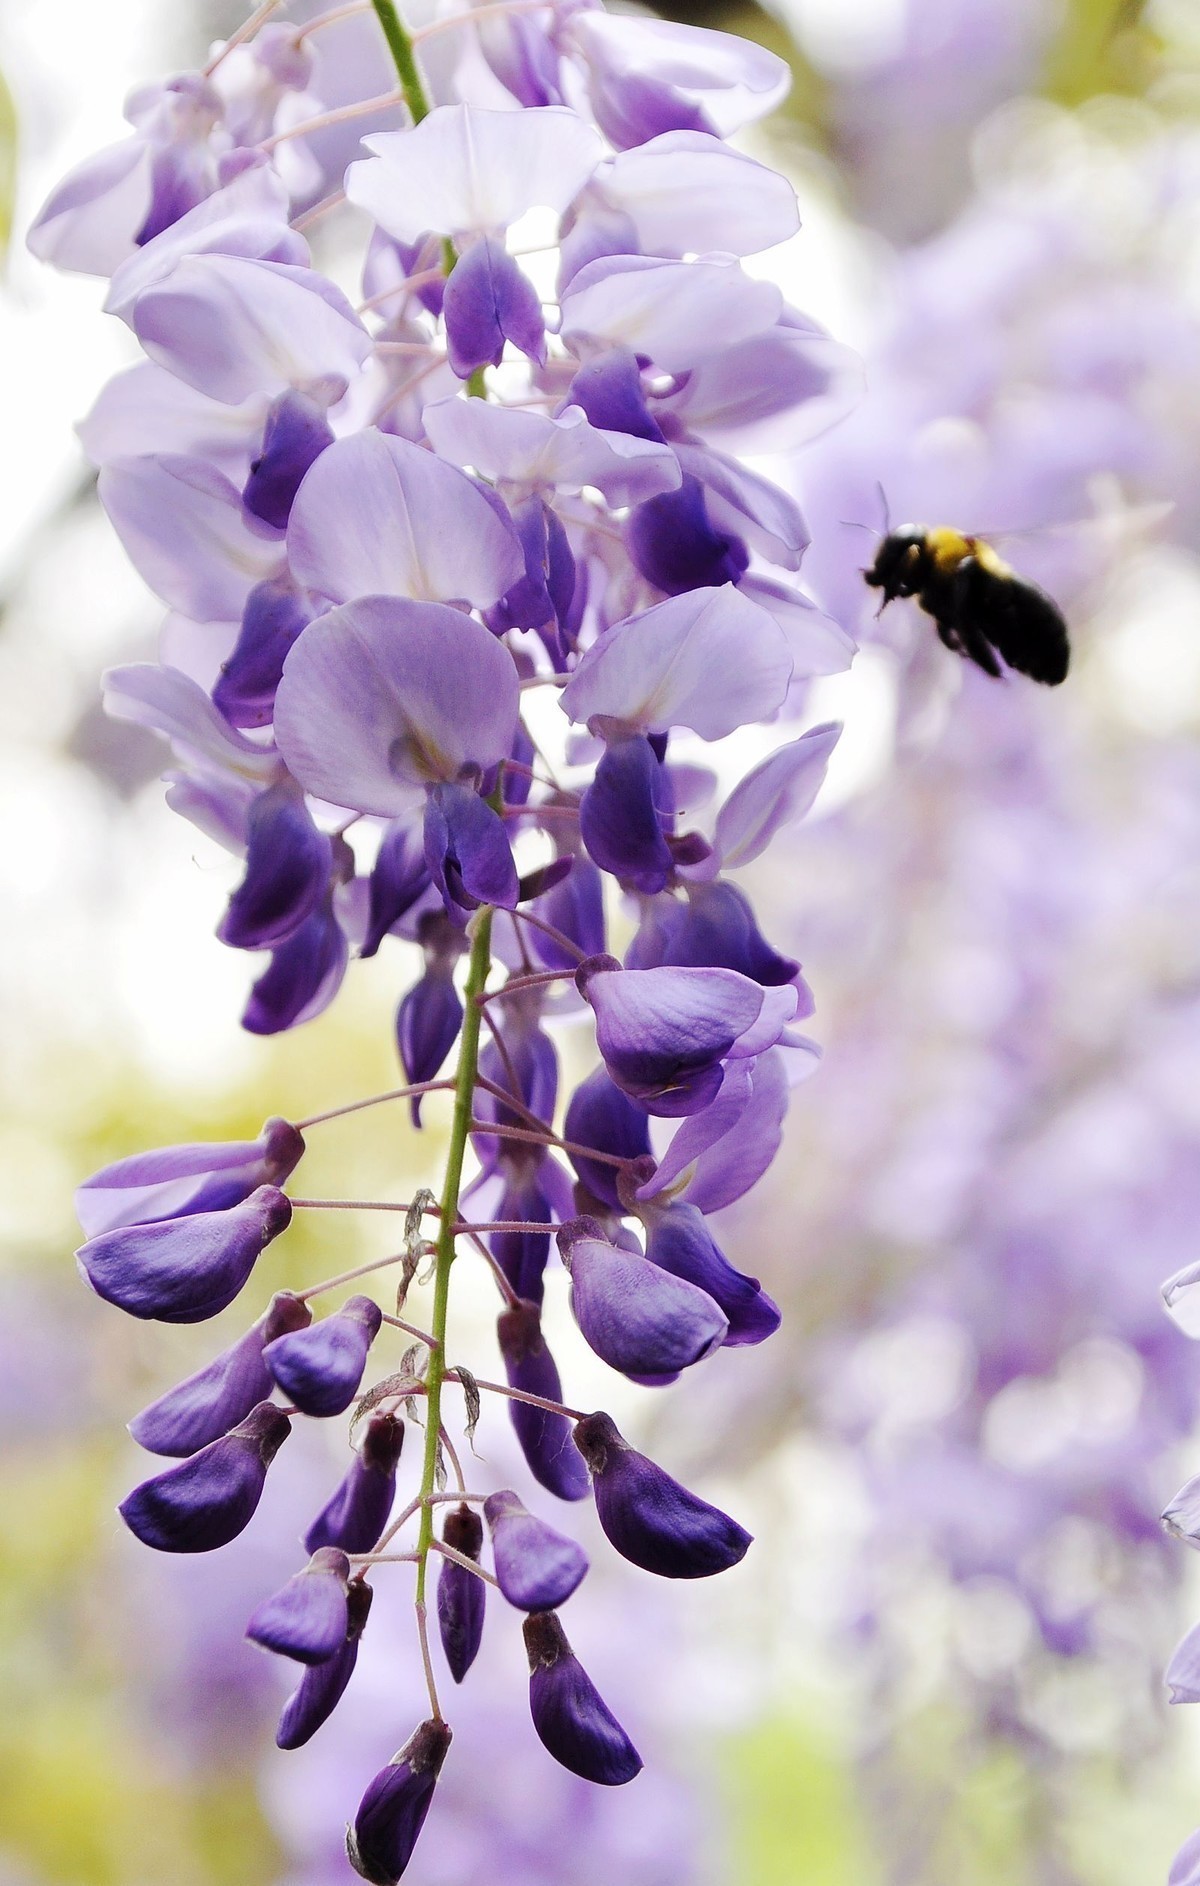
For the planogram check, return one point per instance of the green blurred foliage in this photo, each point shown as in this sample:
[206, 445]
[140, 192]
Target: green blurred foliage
[8, 164]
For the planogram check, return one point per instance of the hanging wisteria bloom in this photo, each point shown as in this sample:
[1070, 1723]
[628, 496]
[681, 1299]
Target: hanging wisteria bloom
[462, 568]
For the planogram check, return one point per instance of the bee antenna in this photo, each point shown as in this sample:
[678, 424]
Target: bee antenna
[887, 516]
[854, 523]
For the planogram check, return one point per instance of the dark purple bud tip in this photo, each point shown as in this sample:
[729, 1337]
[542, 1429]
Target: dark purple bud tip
[323, 1684]
[569, 1714]
[359, 1508]
[592, 966]
[392, 1812]
[536, 1567]
[207, 1500]
[637, 1318]
[183, 1270]
[211, 1402]
[321, 1368]
[461, 1595]
[650, 1519]
[307, 1620]
[545, 1437]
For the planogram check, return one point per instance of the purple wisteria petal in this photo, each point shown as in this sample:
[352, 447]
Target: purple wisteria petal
[208, 1500]
[188, 535]
[522, 1255]
[780, 789]
[638, 1319]
[600, 1115]
[171, 703]
[576, 908]
[740, 501]
[609, 390]
[248, 216]
[647, 76]
[183, 1270]
[145, 412]
[650, 1519]
[215, 1399]
[571, 1717]
[381, 696]
[679, 1241]
[545, 1437]
[302, 978]
[358, 1509]
[461, 1596]
[543, 598]
[467, 850]
[624, 815]
[399, 877]
[377, 516]
[488, 300]
[1183, 1672]
[89, 222]
[1181, 1294]
[323, 1685]
[320, 1368]
[676, 546]
[392, 1812]
[1182, 1517]
[272, 620]
[770, 393]
[174, 1180]
[724, 1151]
[465, 170]
[711, 661]
[676, 314]
[537, 1568]
[714, 927]
[688, 193]
[1185, 1867]
[562, 453]
[232, 326]
[663, 1033]
[288, 863]
[428, 1021]
[307, 1619]
[294, 437]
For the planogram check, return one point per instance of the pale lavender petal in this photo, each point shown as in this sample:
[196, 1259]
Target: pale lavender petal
[146, 412]
[771, 393]
[377, 516]
[188, 535]
[675, 313]
[233, 327]
[1182, 1517]
[742, 501]
[248, 216]
[1183, 1672]
[564, 453]
[173, 704]
[381, 696]
[89, 222]
[780, 789]
[711, 660]
[728, 1168]
[715, 81]
[1181, 1294]
[688, 193]
[1185, 1867]
[464, 170]
[819, 645]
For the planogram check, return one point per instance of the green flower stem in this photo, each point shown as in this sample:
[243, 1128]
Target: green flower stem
[464, 1093]
[401, 48]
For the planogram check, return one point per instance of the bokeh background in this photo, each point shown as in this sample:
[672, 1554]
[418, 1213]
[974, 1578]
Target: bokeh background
[942, 1662]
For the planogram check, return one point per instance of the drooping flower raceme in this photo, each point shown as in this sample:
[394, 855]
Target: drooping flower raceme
[391, 524]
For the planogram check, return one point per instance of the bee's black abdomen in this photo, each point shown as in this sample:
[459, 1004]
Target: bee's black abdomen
[1024, 626]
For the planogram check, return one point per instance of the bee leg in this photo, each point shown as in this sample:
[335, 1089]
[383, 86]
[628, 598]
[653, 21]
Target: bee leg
[977, 648]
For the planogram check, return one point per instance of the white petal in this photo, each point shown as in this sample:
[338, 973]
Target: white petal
[676, 313]
[687, 193]
[551, 454]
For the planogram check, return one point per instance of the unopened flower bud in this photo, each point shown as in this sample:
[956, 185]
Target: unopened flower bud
[650, 1519]
[545, 1437]
[637, 1318]
[358, 1510]
[212, 1401]
[571, 1717]
[207, 1500]
[320, 1368]
[306, 1619]
[184, 1270]
[392, 1812]
[323, 1684]
[461, 1596]
[537, 1568]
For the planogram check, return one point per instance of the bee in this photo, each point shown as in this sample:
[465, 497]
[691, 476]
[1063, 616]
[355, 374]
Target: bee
[982, 609]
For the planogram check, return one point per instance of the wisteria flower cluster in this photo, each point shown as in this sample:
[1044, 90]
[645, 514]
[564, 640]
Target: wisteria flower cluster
[389, 535]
